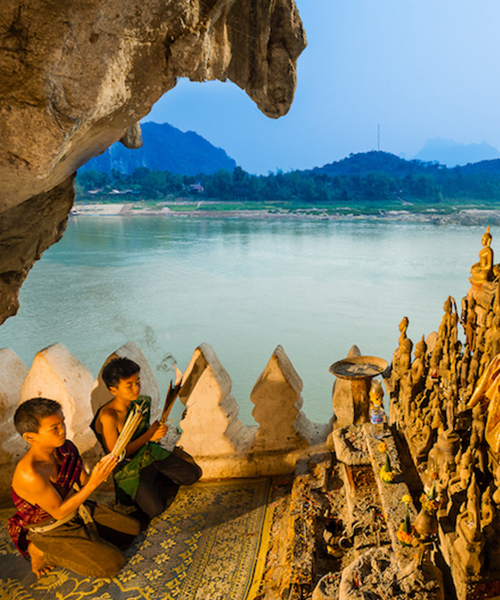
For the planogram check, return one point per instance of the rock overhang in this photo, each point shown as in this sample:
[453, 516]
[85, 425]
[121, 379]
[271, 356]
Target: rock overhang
[76, 76]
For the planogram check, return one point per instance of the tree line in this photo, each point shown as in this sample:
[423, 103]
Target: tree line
[311, 187]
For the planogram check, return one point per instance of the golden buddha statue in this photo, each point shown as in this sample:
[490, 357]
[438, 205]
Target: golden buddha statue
[487, 395]
[483, 270]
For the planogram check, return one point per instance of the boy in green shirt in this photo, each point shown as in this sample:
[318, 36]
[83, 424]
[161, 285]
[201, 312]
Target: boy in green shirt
[148, 472]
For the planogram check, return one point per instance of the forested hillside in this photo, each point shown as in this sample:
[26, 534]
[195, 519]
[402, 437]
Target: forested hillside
[366, 177]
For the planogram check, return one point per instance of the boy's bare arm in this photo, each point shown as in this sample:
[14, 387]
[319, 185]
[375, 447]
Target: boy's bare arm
[84, 477]
[153, 434]
[109, 424]
[36, 488]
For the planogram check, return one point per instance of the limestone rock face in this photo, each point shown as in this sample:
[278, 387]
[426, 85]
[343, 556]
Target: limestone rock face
[75, 76]
[26, 231]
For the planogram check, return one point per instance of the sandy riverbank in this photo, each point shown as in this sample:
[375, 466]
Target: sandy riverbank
[470, 216]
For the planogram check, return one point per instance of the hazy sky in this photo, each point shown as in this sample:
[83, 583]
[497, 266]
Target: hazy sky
[418, 68]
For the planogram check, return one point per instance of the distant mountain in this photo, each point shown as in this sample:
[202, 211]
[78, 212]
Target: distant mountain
[164, 148]
[451, 154]
[375, 162]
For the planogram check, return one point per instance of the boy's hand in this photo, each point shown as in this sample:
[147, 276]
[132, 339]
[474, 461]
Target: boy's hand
[159, 431]
[103, 470]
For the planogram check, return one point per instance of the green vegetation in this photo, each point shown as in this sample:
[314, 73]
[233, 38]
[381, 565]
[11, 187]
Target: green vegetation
[362, 183]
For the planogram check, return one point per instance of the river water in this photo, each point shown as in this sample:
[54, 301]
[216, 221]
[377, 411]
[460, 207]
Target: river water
[244, 286]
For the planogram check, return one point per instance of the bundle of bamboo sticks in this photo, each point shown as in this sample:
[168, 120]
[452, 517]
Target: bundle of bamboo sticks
[131, 424]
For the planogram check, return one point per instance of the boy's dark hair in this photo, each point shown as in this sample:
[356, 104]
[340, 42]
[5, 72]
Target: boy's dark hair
[118, 369]
[29, 414]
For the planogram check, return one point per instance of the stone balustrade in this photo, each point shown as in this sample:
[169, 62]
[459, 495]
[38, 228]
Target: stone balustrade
[211, 430]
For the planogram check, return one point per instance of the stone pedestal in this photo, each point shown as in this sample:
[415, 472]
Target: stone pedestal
[342, 398]
[483, 295]
[351, 402]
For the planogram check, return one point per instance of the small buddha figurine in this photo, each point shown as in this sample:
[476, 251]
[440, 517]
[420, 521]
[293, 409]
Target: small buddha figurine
[473, 373]
[405, 357]
[376, 392]
[483, 270]
[418, 367]
[483, 363]
[453, 330]
[446, 321]
[432, 374]
[403, 326]
[488, 333]
[487, 511]
[495, 337]
[471, 325]
[473, 508]
[478, 422]
[470, 542]
[463, 368]
[422, 439]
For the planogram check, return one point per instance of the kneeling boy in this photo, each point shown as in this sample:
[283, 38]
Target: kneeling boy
[149, 473]
[54, 524]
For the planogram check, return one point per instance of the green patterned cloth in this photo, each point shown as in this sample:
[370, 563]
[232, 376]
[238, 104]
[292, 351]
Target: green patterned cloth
[128, 472]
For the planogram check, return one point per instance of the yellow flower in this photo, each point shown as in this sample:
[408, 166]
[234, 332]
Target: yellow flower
[386, 476]
[382, 447]
[406, 499]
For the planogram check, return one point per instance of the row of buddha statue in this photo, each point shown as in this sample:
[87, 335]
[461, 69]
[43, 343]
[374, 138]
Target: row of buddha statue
[446, 402]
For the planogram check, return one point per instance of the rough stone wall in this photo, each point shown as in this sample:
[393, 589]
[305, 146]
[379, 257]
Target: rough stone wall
[75, 76]
[27, 230]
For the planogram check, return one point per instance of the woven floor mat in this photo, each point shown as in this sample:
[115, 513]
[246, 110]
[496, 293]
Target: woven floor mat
[209, 544]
